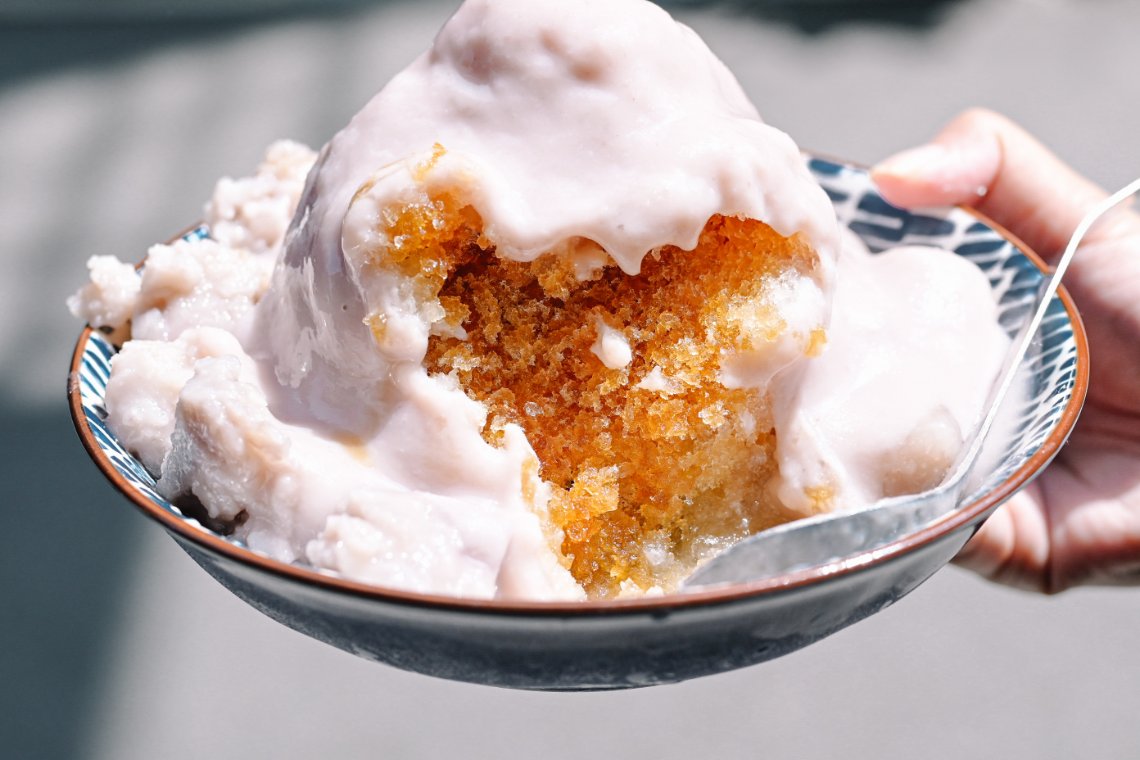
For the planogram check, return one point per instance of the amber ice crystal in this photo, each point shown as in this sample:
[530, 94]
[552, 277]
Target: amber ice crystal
[652, 464]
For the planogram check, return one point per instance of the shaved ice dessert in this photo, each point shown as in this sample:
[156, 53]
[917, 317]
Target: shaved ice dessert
[555, 316]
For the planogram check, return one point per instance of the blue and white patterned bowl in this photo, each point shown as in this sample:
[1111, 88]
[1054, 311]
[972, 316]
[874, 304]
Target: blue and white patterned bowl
[639, 642]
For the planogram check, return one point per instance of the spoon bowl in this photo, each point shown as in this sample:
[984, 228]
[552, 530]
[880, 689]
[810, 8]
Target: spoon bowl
[610, 644]
[832, 537]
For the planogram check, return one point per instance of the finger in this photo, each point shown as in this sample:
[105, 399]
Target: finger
[1093, 493]
[984, 160]
[1012, 546]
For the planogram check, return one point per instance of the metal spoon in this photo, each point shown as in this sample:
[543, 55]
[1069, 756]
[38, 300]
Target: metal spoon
[856, 536]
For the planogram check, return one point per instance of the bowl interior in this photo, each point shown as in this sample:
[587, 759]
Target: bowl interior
[1038, 424]
[1055, 363]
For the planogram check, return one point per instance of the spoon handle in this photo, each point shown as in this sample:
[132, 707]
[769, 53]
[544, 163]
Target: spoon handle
[1024, 338]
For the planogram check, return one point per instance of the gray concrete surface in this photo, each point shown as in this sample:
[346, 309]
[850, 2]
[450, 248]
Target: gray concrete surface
[114, 645]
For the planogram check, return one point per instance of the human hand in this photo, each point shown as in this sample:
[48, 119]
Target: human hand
[1079, 522]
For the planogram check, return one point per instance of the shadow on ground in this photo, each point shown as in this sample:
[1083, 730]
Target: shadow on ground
[35, 41]
[65, 553]
[819, 16]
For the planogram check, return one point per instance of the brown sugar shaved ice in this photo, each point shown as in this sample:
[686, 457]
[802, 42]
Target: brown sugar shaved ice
[548, 322]
[652, 462]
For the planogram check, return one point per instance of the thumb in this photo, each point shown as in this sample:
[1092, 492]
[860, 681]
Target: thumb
[984, 160]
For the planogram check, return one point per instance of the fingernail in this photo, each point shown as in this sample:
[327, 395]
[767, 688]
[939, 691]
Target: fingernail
[931, 174]
[917, 163]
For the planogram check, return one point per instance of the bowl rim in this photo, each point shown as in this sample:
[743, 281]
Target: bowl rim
[971, 513]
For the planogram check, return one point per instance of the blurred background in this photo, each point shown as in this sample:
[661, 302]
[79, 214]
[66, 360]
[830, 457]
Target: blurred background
[115, 120]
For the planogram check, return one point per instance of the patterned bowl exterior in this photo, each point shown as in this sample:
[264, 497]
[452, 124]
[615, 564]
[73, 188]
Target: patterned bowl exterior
[628, 643]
